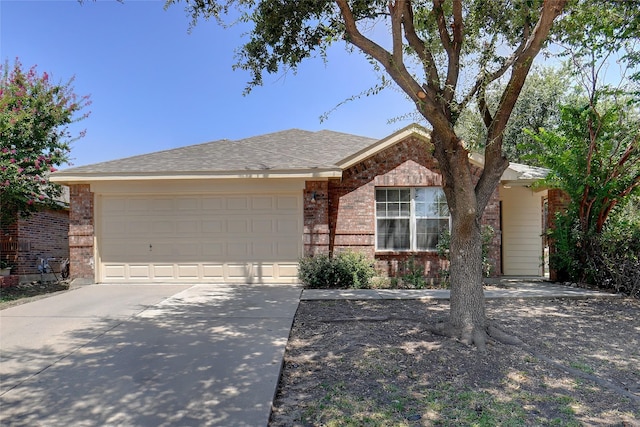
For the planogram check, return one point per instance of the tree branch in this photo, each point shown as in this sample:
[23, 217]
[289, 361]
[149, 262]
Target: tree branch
[416, 43]
[396, 10]
[453, 53]
[426, 104]
[442, 24]
[495, 162]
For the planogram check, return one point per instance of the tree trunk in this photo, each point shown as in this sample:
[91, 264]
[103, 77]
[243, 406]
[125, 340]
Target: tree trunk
[468, 318]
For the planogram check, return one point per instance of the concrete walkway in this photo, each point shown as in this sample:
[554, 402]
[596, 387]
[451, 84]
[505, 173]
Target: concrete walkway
[509, 288]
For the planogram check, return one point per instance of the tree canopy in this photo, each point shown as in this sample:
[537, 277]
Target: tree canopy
[34, 136]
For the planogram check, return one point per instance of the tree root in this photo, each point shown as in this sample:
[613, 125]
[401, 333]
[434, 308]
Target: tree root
[475, 336]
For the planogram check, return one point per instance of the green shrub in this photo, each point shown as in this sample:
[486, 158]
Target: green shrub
[413, 274]
[609, 260]
[345, 270]
[566, 241]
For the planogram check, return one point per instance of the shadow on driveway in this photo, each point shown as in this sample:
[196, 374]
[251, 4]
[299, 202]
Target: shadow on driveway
[206, 355]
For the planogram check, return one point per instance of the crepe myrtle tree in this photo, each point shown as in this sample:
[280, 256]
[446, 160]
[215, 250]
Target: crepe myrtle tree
[34, 137]
[442, 54]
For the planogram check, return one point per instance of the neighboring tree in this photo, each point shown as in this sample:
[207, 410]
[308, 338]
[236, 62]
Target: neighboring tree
[594, 157]
[594, 154]
[442, 55]
[34, 137]
[538, 107]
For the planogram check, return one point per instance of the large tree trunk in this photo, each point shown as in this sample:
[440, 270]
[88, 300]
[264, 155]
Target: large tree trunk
[468, 319]
[467, 316]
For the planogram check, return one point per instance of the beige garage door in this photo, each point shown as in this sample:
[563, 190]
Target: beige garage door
[254, 238]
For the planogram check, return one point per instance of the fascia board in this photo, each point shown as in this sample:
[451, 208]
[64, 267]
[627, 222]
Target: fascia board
[319, 174]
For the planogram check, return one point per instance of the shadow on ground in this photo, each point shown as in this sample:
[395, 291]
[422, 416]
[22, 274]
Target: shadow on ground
[204, 357]
[375, 363]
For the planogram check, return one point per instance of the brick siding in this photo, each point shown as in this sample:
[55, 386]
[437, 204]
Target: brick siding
[11, 280]
[81, 232]
[349, 211]
[43, 234]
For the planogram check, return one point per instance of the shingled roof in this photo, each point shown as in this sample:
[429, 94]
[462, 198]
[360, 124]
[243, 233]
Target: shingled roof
[289, 150]
[288, 153]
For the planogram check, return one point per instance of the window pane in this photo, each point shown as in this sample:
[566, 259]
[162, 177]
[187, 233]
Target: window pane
[441, 200]
[421, 209]
[393, 234]
[393, 209]
[381, 210]
[431, 202]
[428, 232]
[381, 195]
[405, 195]
[405, 209]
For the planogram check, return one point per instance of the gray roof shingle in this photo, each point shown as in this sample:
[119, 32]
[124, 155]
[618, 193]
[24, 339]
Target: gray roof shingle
[287, 150]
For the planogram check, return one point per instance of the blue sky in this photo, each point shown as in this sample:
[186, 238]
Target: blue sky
[154, 86]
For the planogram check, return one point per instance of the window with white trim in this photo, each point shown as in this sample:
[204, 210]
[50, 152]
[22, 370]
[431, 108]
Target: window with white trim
[410, 219]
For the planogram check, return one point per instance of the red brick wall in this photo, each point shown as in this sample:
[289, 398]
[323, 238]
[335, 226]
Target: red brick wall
[351, 206]
[6, 281]
[43, 234]
[316, 217]
[81, 232]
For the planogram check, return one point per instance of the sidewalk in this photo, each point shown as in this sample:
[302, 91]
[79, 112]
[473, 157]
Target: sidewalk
[515, 288]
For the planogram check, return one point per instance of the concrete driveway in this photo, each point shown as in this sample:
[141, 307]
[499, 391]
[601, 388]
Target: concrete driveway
[145, 355]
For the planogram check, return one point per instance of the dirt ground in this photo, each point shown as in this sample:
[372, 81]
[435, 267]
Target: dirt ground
[358, 363]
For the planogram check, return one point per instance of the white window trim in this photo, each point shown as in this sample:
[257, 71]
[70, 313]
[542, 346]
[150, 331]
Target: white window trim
[413, 235]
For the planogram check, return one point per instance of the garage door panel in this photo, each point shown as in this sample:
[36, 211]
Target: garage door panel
[287, 272]
[237, 250]
[185, 227]
[213, 249]
[138, 205]
[237, 226]
[213, 226]
[237, 203]
[264, 226]
[262, 250]
[115, 227]
[186, 205]
[188, 271]
[287, 226]
[262, 203]
[252, 237]
[286, 250]
[115, 272]
[139, 271]
[213, 271]
[164, 227]
[163, 205]
[212, 203]
[287, 203]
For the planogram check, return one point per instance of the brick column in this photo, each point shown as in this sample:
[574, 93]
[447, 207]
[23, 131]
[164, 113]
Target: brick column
[81, 232]
[316, 218]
